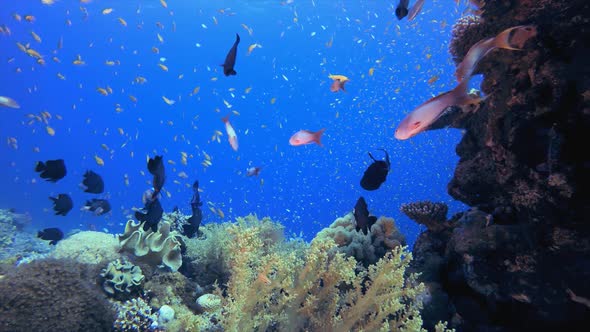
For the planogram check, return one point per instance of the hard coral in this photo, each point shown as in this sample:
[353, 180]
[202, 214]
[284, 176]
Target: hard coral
[465, 33]
[53, 295]
[136, 315]
[432, 215]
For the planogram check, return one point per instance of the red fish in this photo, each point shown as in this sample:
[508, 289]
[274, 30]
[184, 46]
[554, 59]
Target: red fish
[303, 137]
[231, 133]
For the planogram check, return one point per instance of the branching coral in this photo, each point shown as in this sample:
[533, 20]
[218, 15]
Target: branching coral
[323, 290]
[432, 215]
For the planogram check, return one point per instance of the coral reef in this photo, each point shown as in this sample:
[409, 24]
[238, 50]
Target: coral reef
[53, 295]
[136, 315]
[160, 247]
[509, 262]
[369, 248]
[325, 290]
[88, 247]
[121, 278]
[465, 33]
[432, 215]
[17, 245]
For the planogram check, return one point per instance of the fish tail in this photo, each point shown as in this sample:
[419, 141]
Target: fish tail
[237, 38]
[317, 137]
[40, 166]
[502, 40]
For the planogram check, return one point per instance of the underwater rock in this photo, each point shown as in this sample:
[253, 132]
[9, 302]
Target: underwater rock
[160, 247]
[165, 314]
[525, 170]
[121, 278]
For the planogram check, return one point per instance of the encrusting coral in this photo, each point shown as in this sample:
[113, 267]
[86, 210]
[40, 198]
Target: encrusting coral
[160, 247]
[88, 248]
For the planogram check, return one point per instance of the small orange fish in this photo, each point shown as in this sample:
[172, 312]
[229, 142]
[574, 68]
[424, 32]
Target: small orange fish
[304, 137]
[338, 84]
[231, 133]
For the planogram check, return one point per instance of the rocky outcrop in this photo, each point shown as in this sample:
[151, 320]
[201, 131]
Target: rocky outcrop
[519, 260]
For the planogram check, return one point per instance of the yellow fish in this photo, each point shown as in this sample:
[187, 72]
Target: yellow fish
[168, 101]
[122, 21]
[50, 131]
[98, 160]
[107, 11]
[36, 36]
[163, 67]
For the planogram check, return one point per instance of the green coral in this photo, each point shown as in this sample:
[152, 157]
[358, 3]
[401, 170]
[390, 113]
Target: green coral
[121, 278]
[159, 247]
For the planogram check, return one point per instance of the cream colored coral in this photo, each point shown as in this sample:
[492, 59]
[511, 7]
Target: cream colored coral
[160, 247]
[88, 247]
[209, 302]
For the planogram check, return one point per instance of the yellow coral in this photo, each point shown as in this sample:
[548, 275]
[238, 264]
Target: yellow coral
[324, 291]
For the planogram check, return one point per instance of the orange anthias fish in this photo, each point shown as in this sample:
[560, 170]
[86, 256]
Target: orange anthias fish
[231, 133]
[304, 137]
[511, 39]
[426, 114]
[338, 84]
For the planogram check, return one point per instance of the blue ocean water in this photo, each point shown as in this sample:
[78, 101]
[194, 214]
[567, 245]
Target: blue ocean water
[280, 88]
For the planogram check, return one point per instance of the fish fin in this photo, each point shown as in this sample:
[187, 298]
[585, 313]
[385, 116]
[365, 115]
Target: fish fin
[233, 72]
[237, 38]
[54, 199]
[317, 137]
[40, 166]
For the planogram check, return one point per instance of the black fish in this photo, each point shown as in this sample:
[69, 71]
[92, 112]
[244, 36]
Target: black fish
[156, 168]
[93, 183]
[194, 221]
[402, 9]
[230, 59]
[52, 170]
[98, 206]
[62, 204]
[361, 216]
[376, 174]
[151, 214]
[53, 234]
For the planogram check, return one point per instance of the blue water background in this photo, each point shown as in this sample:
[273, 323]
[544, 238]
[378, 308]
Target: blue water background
[304, 187]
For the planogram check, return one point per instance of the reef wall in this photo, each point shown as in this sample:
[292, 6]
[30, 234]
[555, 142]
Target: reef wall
[519, 259]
